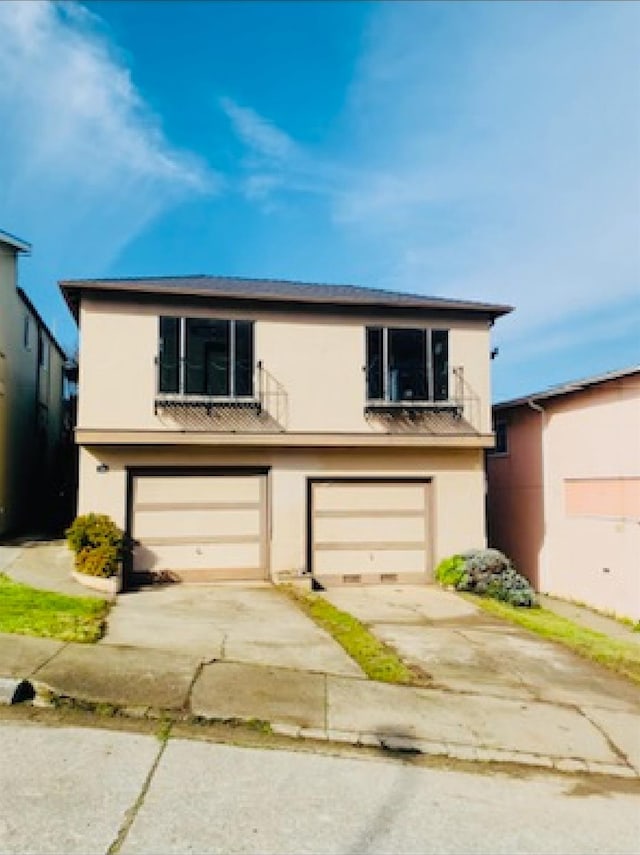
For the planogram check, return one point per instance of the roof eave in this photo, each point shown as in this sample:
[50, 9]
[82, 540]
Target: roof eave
[72, 289]
[15, 243]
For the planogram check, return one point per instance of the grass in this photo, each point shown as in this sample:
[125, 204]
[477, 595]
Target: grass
[377, 660]
[620, 656]
[30, 611]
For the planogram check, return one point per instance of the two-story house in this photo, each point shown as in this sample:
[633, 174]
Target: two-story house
[254, 429]
[31, 402]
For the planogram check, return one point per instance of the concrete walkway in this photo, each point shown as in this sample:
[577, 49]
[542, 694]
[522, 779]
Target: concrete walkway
[573, 737]
[44, 564]
[488, 699]
[584, 616]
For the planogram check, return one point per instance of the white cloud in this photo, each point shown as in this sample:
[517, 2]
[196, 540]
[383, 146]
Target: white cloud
[258, 133]
[84, 162]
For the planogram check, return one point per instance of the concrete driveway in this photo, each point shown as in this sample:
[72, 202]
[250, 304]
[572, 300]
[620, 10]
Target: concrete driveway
[466, 650]
[259, 625]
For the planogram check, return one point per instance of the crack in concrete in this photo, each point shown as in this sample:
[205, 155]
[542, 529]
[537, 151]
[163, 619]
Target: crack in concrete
[49, 659]
[133, 811]
[187, 701]
[612, 745]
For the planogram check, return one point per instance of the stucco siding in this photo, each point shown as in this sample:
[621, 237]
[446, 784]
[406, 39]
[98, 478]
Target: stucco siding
[316, 363]
[457, 484]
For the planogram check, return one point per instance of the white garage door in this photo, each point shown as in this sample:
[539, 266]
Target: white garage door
[370, 531]
[200, 527]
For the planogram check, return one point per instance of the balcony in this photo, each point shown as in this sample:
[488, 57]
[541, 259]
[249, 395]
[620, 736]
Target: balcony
[414, 402]
[264, 411]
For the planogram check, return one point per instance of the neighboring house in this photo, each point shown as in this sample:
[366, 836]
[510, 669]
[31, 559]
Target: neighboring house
[564, 489]
[31, 408]
[253, 429]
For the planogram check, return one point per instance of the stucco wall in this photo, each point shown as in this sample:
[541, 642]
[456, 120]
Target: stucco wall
[458, 487]
[318, 362]
[515, 495]
[578, 535]
[595, 557]
[21, 472]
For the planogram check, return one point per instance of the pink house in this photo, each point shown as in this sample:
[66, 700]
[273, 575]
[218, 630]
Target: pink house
[564, 490]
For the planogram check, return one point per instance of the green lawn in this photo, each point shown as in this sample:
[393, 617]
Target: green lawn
[620, 656]
[377, 660]
[29, 611]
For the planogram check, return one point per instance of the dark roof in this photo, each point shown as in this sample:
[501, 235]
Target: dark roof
[36, 314]
[272, 290]
[568, 388]
[14, 242]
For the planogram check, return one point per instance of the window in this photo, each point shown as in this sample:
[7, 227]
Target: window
[43, 351]
[26, 332]
[406, 365]
[500, 430]
[206, 357]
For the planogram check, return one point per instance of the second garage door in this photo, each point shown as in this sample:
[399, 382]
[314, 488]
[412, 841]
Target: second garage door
[200, 527]
[370, 531]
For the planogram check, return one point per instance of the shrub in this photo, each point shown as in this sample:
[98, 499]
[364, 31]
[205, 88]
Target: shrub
[489, 573]
[98, 544]
[451, 570]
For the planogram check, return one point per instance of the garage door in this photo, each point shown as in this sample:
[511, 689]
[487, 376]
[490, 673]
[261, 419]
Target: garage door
[370, 531]
[200, 527]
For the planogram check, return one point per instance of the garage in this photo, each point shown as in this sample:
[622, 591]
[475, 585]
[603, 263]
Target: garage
[199, 526]
[369, 531]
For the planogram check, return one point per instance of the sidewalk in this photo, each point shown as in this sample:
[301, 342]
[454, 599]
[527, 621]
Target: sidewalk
[582, 731]
[303, 704]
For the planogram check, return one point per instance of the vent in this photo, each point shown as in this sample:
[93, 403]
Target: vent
[352, 578]
[389, 578]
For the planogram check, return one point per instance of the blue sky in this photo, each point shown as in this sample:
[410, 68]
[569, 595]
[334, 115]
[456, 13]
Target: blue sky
[475, 150]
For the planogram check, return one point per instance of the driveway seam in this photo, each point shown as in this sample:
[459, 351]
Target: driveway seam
[49, 659]
[133, 811]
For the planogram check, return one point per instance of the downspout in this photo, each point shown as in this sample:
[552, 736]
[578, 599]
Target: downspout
[543, 569]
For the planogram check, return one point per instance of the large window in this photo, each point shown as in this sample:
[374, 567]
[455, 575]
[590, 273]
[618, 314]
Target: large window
[406, 365]
[206, 357]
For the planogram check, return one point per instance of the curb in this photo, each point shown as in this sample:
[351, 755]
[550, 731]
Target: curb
[14, 691]
[42, 695]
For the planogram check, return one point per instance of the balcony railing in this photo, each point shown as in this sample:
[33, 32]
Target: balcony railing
[415, 403]
[265, 409]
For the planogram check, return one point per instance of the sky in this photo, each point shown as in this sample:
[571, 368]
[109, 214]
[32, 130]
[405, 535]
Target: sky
[472, 150]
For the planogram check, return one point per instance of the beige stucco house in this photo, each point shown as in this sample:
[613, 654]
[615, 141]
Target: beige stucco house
[31, 401]
[564, 489]
[254, 429]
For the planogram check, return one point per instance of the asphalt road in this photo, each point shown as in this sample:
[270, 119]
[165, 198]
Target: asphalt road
[69, 789]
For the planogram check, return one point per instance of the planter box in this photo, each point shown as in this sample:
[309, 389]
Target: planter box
[111, 585]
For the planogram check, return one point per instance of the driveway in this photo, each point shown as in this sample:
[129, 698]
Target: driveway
[258, 625]
[466, 650]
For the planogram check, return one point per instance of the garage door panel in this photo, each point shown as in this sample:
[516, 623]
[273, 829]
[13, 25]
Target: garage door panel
[369, 530]
[360, 562]
[196, 523]
[197, 488]
[363, 529]
[368, 496]
[200, 526]
[199, 556]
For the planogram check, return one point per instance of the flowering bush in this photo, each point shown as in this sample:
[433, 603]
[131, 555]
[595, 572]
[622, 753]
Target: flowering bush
[489, 573]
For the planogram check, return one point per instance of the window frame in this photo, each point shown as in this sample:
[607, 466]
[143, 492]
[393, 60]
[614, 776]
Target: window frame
[181, 392]
[430, 398]
[500, 428]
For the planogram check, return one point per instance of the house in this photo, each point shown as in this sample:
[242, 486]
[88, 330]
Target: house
[257, 429]
[31, 402]
[564, 489]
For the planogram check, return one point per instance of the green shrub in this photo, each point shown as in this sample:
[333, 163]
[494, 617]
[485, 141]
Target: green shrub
[489, 573]
[450, 571]
[98, 544]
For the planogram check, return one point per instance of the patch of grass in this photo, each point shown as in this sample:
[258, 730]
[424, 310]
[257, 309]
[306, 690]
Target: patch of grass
[620, 656]
[29, 611]
[377, 660]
